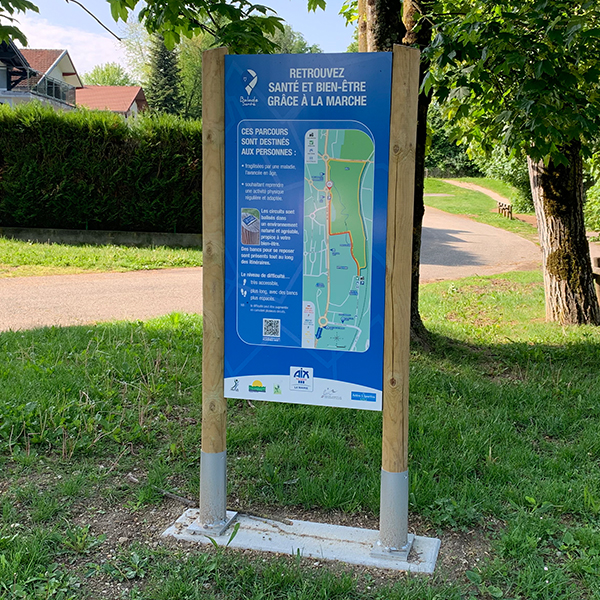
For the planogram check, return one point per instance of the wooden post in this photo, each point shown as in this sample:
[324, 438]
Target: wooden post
[403, 130]
[213, 478]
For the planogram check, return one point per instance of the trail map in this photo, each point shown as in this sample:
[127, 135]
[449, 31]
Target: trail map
[338, 228]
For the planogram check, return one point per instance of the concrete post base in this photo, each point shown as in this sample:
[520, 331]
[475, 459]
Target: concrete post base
[314, 540]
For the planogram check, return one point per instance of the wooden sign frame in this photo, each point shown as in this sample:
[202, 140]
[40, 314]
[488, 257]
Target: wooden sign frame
[214, 518]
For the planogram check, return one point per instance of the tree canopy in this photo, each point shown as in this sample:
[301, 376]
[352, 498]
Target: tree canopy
[8, 9]
[190, 66]
[238, 24]
[524, 72]
[108, 74]
[163, 90]
[289, 41]
[242, 26]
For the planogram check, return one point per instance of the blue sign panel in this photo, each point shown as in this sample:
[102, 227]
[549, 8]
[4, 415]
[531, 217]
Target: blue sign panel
[306, 166]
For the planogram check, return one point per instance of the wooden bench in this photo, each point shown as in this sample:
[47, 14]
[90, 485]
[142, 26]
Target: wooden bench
[596, 274]
[505, 209]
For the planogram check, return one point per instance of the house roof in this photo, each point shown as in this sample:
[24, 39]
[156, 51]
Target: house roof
[41, 60]
[44, 61]
[116, 98]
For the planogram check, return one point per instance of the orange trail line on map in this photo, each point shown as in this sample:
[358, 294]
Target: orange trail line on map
[325, 157]
[351, 247]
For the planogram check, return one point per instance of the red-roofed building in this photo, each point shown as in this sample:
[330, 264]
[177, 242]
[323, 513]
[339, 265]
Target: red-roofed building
[45, 75]
[124, 100]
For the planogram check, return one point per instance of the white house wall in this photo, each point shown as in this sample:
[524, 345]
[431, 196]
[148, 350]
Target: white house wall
[64, 65]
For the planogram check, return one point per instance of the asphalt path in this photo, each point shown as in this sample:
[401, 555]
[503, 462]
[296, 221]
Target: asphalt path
[28, 302]
[453, 247]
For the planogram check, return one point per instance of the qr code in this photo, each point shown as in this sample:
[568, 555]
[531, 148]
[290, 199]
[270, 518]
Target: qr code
[271, 327]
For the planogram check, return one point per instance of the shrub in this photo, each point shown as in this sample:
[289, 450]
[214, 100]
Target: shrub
[444, 157]
[591, 209]
[95, 170]
[512, 170]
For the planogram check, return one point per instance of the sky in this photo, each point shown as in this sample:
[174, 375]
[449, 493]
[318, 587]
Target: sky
[65, 25]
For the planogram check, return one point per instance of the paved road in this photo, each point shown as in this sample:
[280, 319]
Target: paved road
[27, 302]
[453, 247]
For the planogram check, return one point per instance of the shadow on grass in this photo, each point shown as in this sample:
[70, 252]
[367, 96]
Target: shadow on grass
[495, 424]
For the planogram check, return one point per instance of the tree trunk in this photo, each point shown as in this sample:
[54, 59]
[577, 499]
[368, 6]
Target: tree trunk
[417, 329]
[557, 192]
[385, 27]
[362, 26]
[383, 23]
[421, 38]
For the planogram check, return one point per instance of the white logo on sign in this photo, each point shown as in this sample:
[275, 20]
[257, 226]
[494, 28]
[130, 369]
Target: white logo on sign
[249, 79]
[301, 379]
[252, 78]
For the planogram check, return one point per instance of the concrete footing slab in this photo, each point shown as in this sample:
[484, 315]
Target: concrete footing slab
[312, 540]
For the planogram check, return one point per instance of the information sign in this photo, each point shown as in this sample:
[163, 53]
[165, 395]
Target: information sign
[306, 167]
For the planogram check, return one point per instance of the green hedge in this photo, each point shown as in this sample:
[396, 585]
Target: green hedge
[94, 170]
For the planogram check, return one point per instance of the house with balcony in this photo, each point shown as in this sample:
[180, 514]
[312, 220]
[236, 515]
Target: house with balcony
[48, 76]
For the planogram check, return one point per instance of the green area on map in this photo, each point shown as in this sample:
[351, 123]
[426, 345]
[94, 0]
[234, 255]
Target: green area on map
[338, 227]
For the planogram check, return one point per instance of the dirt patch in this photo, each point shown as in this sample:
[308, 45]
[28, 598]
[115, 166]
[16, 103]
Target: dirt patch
[461, 552]
[530, 219]
[124, 529]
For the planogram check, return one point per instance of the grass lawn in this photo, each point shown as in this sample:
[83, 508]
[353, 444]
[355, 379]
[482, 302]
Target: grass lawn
[504, 189]
[475, 205]
[504, 461]
[18, 259]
